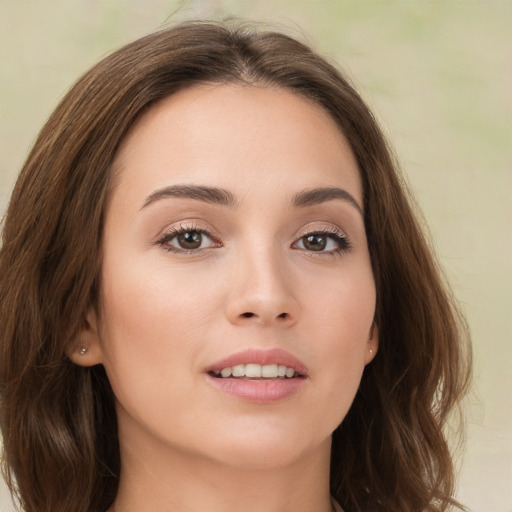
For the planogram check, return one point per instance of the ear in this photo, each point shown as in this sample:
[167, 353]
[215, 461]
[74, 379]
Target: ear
[372, 345]
[86, 349]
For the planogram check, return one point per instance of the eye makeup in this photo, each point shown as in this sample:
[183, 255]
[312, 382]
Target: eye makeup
[193, 238]
[324, 240]
[188, 238]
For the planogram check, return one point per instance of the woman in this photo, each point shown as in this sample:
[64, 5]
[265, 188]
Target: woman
[214, 294]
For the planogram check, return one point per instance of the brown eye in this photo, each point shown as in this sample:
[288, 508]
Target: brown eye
[190, 240]
[315, 242]
[187, 240]
[327, 242]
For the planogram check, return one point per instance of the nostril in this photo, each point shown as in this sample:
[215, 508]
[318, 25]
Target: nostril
[283, 315]
[248, 315]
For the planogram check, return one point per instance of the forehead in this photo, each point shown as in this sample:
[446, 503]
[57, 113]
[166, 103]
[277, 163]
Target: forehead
[241, 137]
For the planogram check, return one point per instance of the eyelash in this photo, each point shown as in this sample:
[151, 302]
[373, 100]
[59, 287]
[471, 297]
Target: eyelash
[343, 243]
[169, 235]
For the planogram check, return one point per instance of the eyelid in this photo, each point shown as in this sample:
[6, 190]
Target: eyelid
[323, 228]
[330, 230]
[326, 230]
[182, 227]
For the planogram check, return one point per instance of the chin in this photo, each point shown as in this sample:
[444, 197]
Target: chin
[265, 451]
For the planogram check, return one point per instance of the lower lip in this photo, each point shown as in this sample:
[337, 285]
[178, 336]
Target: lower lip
[258, 391]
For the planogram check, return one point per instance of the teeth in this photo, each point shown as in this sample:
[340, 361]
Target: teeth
[253, 370]
[256, 371]
[226, 372]
[238, 370]
[269, 371]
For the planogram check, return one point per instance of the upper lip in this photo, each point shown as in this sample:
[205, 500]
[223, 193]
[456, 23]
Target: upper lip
[264, 357]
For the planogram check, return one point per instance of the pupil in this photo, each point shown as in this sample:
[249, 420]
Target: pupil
[190, 239]
[315, 242]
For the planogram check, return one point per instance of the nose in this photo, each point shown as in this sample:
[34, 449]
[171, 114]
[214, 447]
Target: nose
[261, 291]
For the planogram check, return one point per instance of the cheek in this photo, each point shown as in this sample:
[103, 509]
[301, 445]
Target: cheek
[149, 303]
[343, 308]
[151, 329]
[343, 314]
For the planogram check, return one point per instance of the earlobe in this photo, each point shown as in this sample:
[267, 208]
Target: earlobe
[372, 345]
[86, 350]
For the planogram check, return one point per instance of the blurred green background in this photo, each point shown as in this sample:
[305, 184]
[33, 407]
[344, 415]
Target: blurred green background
[438, 74]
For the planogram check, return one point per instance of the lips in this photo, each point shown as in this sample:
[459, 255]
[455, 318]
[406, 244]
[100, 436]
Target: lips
[262, 358]
[259, 376]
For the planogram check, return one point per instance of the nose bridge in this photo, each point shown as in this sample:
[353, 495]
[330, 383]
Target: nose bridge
[262, 286]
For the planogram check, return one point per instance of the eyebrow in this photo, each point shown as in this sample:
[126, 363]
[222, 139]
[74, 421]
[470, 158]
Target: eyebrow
[311, 197]
[198, 192]
[303, 199]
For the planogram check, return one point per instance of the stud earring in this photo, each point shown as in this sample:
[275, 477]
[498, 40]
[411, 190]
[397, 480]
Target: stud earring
[371, 351]
[83, 351]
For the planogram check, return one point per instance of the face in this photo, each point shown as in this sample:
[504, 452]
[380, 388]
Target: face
[237, 296]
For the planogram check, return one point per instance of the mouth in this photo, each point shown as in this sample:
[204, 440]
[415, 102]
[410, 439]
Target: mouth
[259, 376]
[257, 371]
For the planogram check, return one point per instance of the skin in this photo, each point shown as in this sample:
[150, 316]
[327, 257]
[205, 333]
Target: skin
[166, 315]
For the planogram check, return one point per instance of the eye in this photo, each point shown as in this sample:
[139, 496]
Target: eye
[185, 239]
[322, 241]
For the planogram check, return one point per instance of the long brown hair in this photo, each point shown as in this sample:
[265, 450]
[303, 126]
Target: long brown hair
[61, 451]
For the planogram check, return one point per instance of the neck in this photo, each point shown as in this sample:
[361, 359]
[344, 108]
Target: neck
[169, 480]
